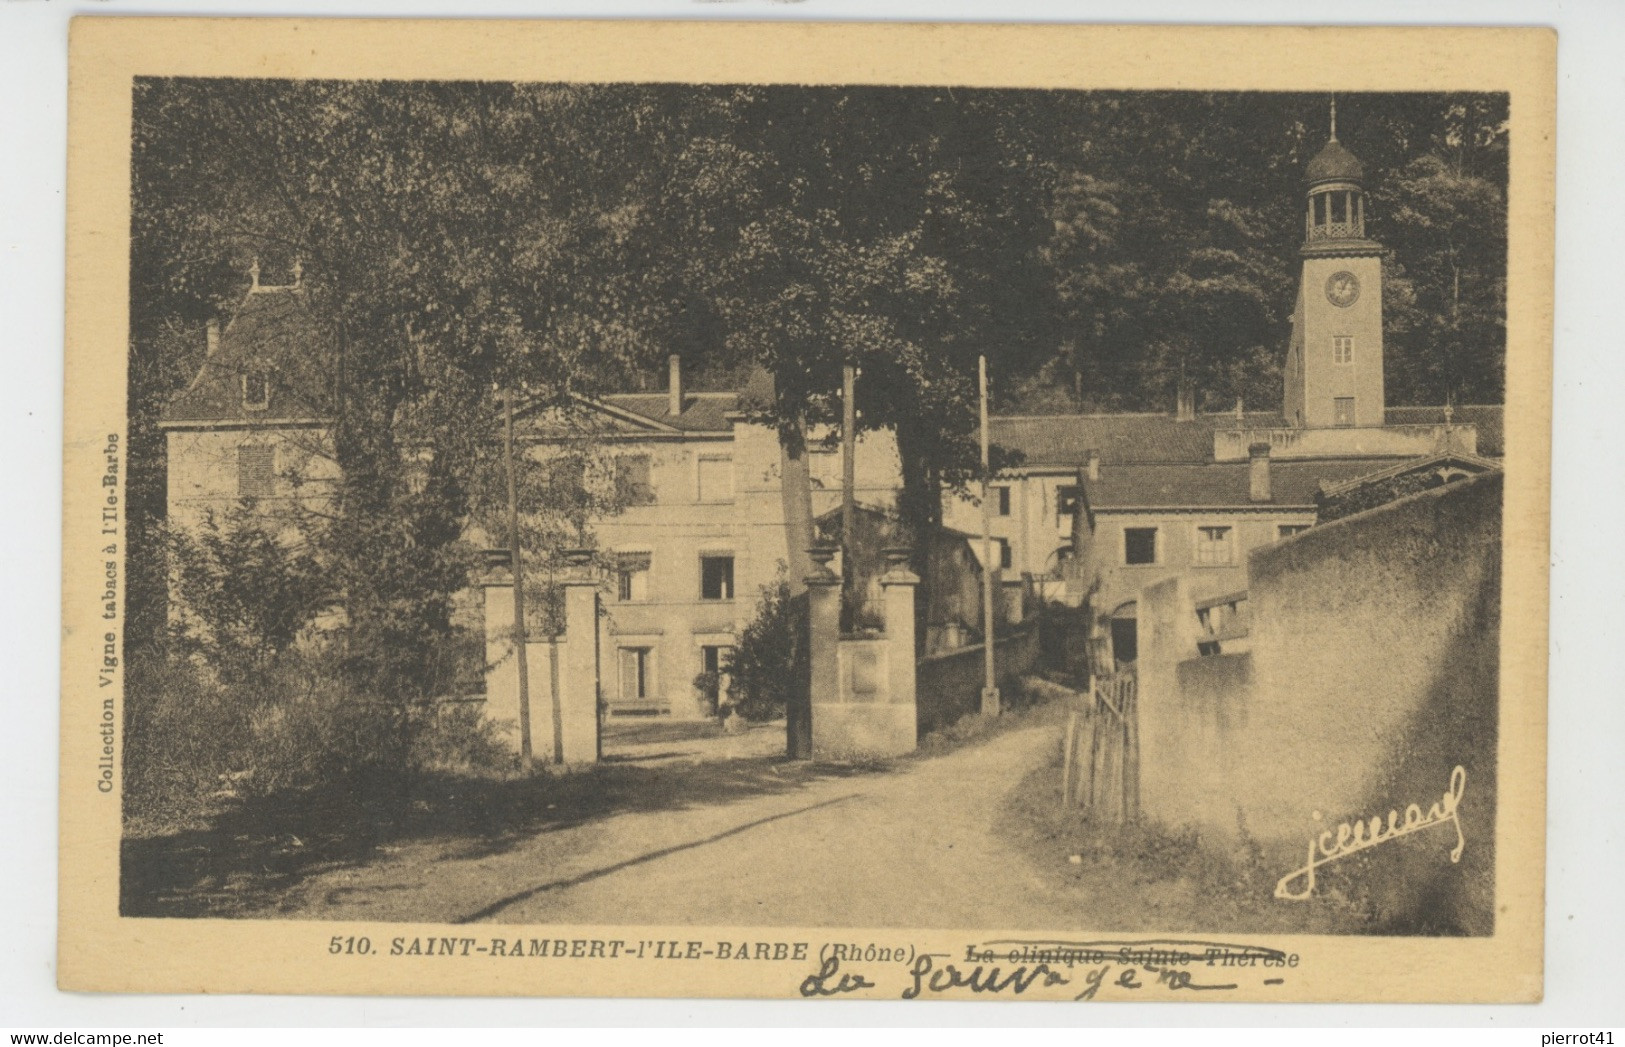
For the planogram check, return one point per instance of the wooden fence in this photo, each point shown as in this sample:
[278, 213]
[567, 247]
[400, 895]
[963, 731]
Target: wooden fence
[1100, 764]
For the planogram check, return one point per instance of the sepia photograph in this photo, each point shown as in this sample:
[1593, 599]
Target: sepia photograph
[1066, 518]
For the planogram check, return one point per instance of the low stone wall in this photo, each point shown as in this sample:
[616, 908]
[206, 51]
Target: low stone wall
[949, 685]
[1373, 674]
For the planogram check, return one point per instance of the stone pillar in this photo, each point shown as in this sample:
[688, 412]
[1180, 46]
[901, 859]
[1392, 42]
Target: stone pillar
[502, 668]
[574, 719]
[899, 584]
[823, 640]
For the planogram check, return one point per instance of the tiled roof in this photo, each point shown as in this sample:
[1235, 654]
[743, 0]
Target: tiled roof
[1218, 485]
[273, 333]
[1145, 439]
[1122, 439]
[702, 412]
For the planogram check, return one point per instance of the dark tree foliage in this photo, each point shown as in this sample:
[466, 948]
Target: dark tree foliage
[459, 238]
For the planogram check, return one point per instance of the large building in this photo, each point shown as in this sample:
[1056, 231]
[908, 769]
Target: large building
[1100, 506]
[702, 535]
[698, 535]
[1193, 493]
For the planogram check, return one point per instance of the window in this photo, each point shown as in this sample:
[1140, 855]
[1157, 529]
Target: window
[1343, 349]
[1288, 530]
[256, 391]
[1002, 504]
[1066, 501]
[715, 657]
[632, 486]
[1213, 545]
[1139, 545]
[716, 479]
[716, 577]
[1343, 411]
[636, 667]
[256, 470]
[632, 576]
[1004, 554]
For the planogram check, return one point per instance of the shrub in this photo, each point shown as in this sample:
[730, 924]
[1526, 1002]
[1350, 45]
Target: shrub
[244, 594]
[196, 741]
[770, 661]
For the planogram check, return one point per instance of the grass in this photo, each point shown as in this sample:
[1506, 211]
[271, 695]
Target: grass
[1025, 705]
[1145, 876]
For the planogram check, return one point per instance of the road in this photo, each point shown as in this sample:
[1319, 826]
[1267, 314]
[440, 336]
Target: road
[911, 846]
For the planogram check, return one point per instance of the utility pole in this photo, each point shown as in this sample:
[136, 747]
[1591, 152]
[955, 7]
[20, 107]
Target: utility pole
[849, 469]
[521, 641]
[990, 688]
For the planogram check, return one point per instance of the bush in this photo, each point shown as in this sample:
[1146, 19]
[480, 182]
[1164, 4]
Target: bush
[770, 662]
[195, 741]
[243, 593]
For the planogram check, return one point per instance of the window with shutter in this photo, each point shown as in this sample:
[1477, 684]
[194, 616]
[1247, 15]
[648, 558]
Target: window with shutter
[1213, 546]
[256, 470]
[716, 479]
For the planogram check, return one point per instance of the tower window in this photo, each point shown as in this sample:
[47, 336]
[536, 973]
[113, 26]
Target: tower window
[1343, 411]
[1343, 349]
[1002, 506]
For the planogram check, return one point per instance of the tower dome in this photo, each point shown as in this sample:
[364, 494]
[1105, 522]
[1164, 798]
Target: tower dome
[1335, 217]
[1334, 164]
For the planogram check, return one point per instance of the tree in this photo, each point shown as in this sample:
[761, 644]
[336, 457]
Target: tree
[246, 593]
[453, 238]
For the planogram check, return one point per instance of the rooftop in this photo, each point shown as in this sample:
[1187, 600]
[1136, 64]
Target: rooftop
[272, 334]
[1222, 484]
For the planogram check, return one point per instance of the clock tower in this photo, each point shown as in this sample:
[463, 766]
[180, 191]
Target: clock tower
[1334, 357]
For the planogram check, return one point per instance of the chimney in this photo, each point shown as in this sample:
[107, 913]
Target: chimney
[1185, 404]
[1092, 469]
[212, 333]
[674, 383]
[1258, 472]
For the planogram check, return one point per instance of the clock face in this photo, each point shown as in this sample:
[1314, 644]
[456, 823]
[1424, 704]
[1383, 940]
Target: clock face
[1342, 289]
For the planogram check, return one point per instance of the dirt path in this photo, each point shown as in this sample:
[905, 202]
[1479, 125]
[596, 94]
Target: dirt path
[913, 846]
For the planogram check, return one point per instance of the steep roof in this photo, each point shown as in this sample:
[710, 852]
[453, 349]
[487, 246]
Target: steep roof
[272, 334]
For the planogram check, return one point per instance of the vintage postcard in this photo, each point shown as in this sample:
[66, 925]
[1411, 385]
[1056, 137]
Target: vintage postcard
[806, 510]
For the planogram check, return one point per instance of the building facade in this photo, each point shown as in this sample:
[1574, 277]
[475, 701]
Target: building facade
[1191, 495]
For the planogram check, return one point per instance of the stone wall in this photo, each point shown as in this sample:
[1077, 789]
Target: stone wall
[1373, 673]
[949, 685]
